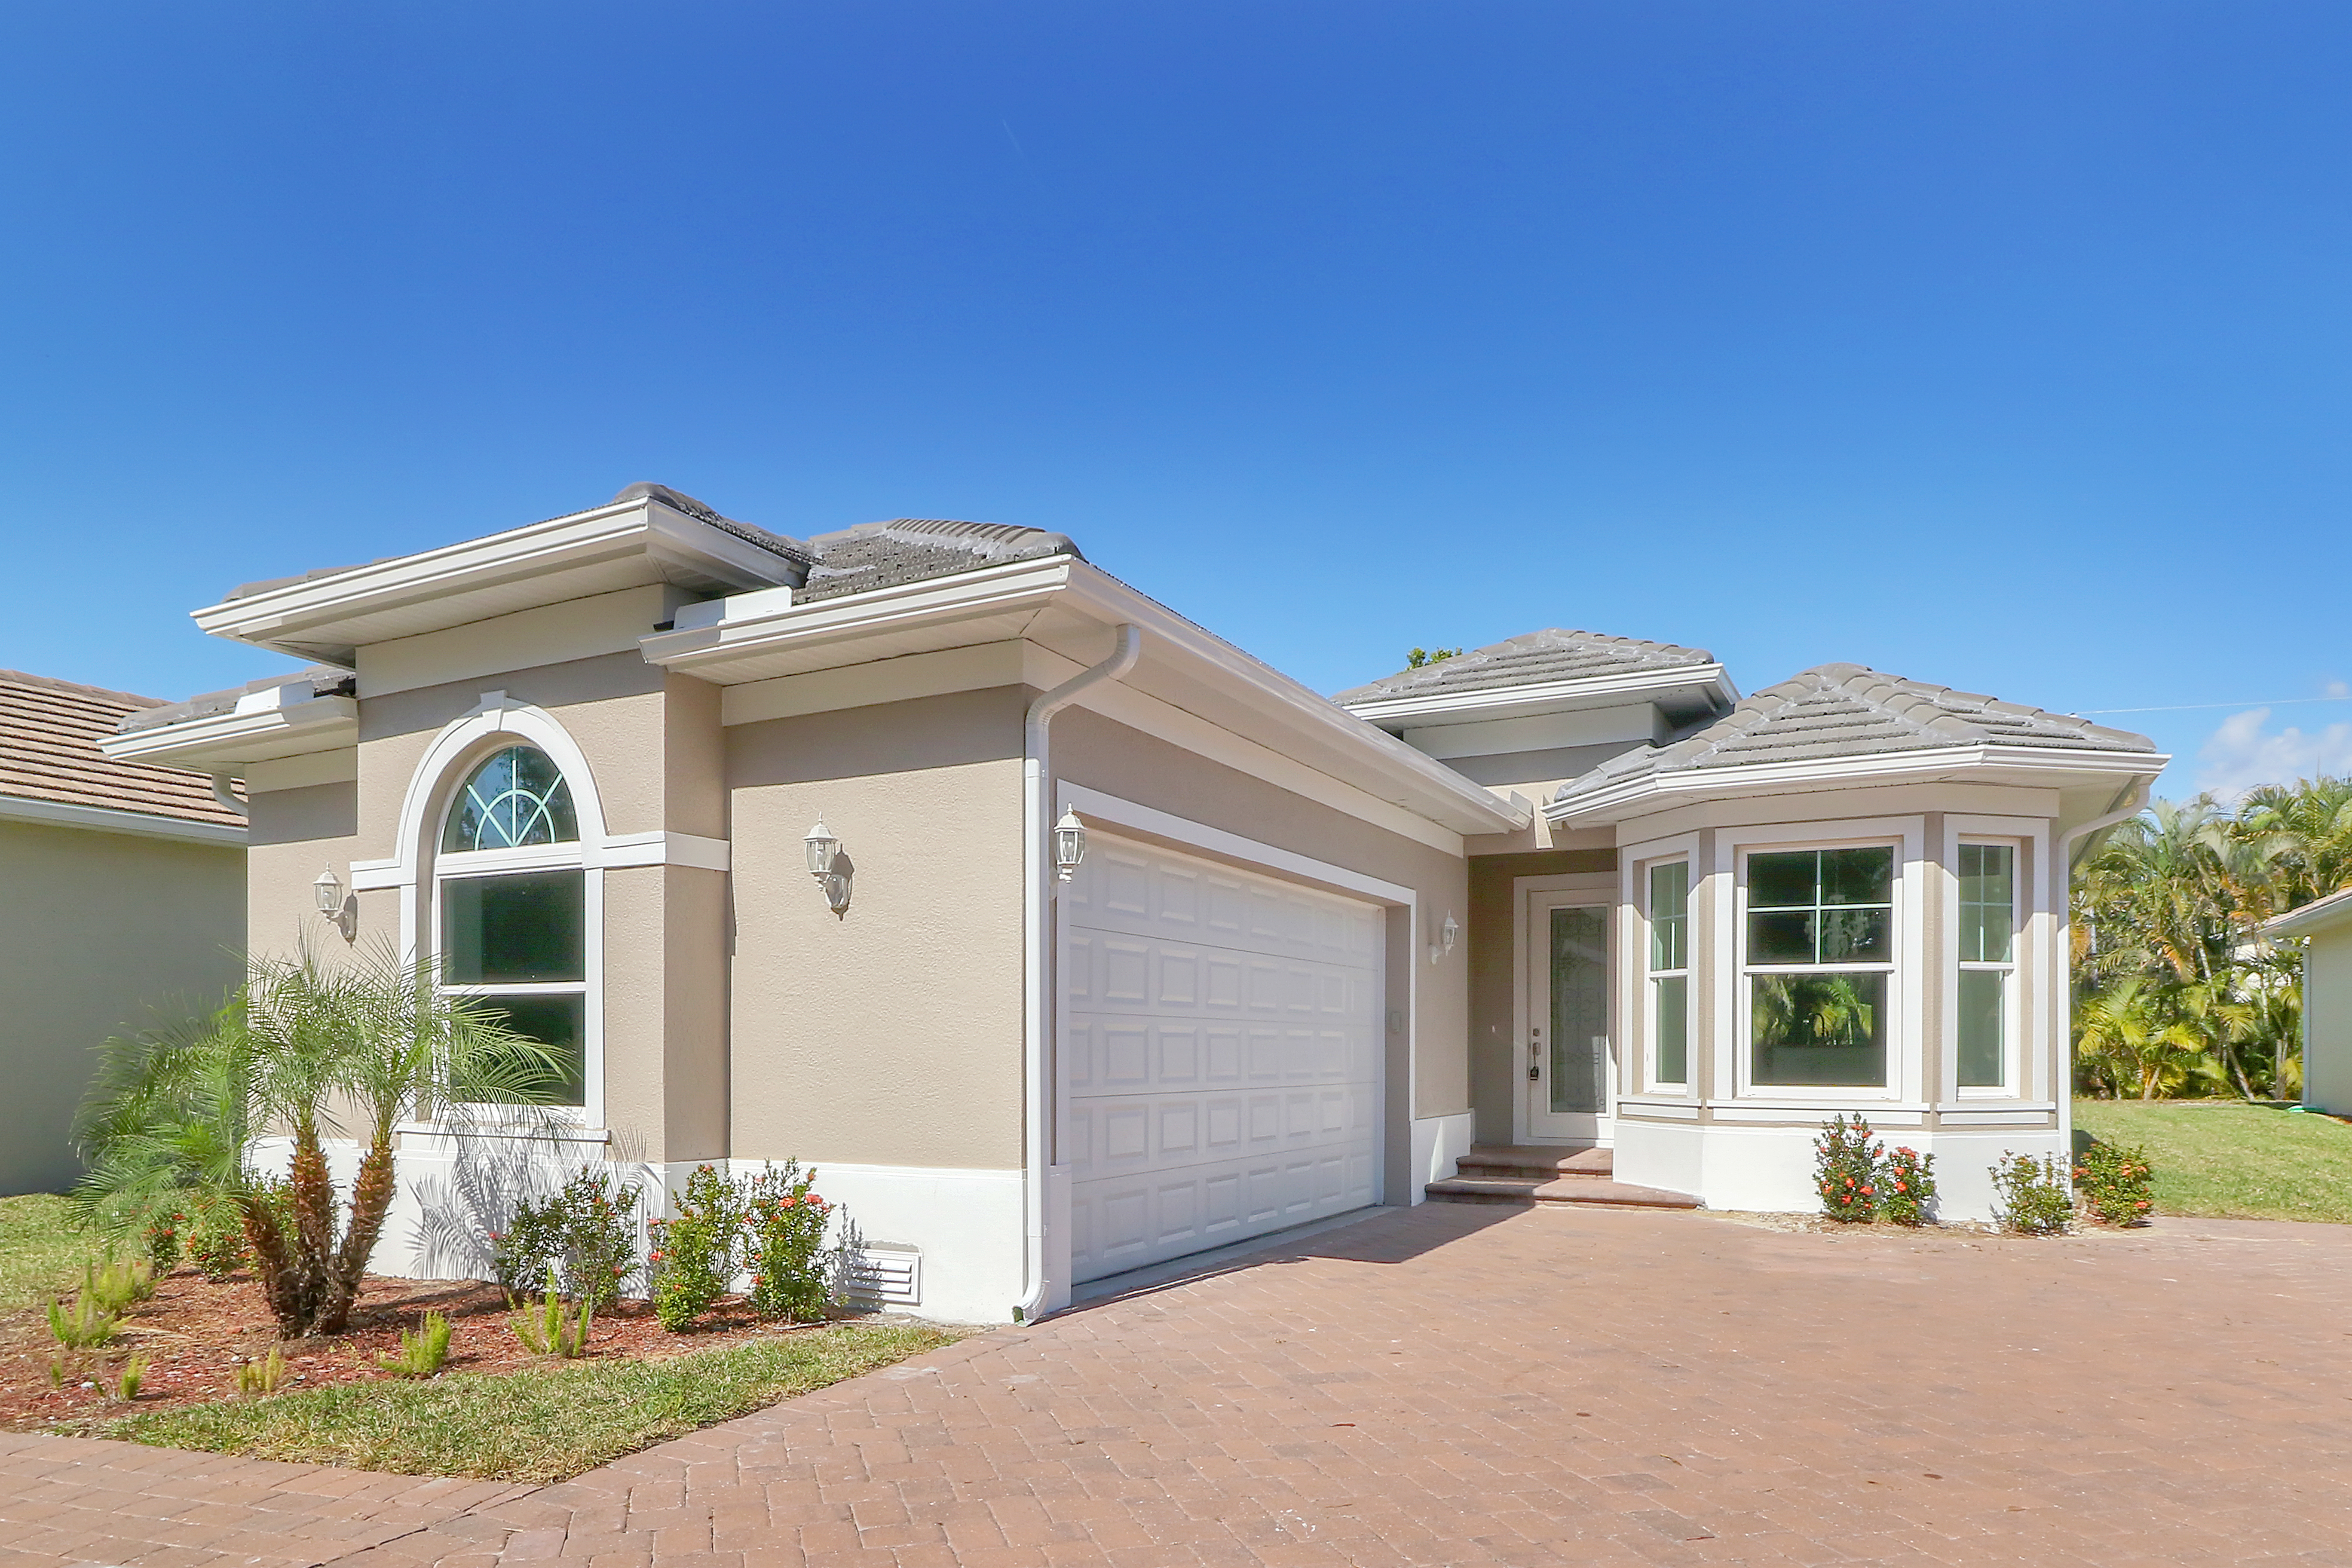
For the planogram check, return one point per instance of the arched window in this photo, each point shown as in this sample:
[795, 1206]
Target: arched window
[513, 917]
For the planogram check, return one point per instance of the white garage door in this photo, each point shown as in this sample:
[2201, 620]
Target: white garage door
[1219, 1055]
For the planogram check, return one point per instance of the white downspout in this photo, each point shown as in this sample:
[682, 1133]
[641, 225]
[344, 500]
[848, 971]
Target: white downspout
[2135, 798]
[227, 797]
[1037, 912]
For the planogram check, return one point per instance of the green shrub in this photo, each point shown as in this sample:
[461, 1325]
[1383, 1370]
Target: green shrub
[692, 1257]
[786, 1223]
[421, 1353]
[217, 1246]
[586, 1230]
[118, 1287]
[1907, 1187]
[551, 1328]
[1845, 1170]
[166, 1235]
[2113, 1181]
[135, 1371]
[2034, 1200]
[256, 1378]
[87, 1327]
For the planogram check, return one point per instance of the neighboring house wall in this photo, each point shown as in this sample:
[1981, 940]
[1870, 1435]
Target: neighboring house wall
[104, 932]
[2327, 1020]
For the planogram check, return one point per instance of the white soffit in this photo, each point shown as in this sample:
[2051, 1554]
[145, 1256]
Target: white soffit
[1700, 687]
[601, 550]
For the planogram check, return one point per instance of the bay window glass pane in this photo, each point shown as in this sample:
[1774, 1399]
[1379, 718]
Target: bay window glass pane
[1781, 936]
[1787, 880]
[1670, 916]
[1858, 876]
[1819, 1030]
[1987, 902]
[559, 1022]
[1853, 936]
[1984, 1042]
[514, 930]
[1670, 1004]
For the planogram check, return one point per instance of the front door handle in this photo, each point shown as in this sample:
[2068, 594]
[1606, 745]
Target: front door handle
[1534, 1072]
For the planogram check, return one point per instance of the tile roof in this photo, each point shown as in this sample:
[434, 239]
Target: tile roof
[1532, 659]
[49, 731]
[1836, 710]
[325, 679]
[915, 549]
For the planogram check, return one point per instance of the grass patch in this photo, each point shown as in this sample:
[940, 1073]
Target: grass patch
[40, 1252]
[2229, 1159]
[535, 1425]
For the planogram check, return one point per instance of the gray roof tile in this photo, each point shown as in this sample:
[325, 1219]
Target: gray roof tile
[915, 549]
[1533, 659]
[325, 680]
[1835, 710]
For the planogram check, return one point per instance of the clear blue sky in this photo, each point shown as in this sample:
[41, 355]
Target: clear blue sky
[2008, 345]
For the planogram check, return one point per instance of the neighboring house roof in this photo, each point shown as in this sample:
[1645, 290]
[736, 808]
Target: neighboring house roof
[49, 731]
[915, 549]
[2320, 914]
[1534, 658]
[1836, 711]
[323, 681]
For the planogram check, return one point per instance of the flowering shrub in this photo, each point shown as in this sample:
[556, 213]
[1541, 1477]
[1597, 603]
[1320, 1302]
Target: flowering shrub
[1845, 1170]
[217, 1246]
[786, 1223]
[2112, 1183]
[165, 1234]
[1907, 1187]
[2033, 1196]
[586, 1231]
[692, 1257]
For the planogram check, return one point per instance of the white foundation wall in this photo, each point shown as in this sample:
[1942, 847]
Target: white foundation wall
[966, 1225]
[1770, 1170]
[1438, 1144]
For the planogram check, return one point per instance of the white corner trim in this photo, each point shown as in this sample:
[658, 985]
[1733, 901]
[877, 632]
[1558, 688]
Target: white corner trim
[104, 819]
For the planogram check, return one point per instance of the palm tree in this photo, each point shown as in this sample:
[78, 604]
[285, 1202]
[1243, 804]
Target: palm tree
[176, 1117]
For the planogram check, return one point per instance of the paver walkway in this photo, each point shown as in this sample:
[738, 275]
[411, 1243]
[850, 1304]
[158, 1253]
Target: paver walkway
[1452, 1385]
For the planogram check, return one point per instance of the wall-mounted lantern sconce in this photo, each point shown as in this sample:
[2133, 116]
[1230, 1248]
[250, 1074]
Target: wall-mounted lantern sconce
[1446, 935]
[829, 866]
[1069, 845]
[328, 894]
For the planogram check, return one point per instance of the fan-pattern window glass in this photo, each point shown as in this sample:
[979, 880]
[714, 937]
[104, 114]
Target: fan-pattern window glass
[516, 798]
[1670, 971]
[1819, 948]
[1988, 961]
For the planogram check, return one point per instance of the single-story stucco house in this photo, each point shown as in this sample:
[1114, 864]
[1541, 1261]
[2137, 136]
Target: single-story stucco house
[122, 909]
[2324, 926]
[781, 841]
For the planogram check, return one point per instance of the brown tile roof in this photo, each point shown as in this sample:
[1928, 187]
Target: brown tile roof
[49, 731]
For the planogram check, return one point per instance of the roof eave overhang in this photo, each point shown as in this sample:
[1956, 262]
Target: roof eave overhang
[2040, 766]
[2321, 914]
[216, 742]
[1010, 601]
[1709, 683]
[108, 819]
[311, 620]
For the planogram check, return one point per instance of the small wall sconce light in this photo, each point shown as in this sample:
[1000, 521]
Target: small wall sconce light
[1446, 935]
[829, 866]
[328, 894]
[1069, 845]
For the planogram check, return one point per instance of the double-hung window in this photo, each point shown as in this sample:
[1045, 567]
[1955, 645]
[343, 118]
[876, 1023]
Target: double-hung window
[513, 913]
[1669, 979]
[1987, 874]
[1817, 963]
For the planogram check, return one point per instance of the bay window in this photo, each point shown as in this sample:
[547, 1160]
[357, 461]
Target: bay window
[1817, 959]
[1988, 968]
[1669, 980]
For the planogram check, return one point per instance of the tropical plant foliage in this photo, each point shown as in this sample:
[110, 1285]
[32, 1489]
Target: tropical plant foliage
[2177, 993]
[307, 1052]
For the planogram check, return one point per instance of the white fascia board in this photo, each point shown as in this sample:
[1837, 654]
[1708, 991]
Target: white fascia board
[217, 741]
[2320, 914]
[706, 651]
[311, 608]
[1653, 792]
[1435, 791]
[102, 820]
[1551, 697]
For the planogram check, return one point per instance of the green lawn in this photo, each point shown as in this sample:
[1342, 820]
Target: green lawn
[40, 1253]
[537, 1426]
[2225, 1159]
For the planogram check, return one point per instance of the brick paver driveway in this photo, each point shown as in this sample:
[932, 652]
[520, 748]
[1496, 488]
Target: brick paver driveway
[1450, 1385]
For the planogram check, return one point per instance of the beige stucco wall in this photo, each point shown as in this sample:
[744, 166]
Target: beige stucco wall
[103, 933]
[891, 1035]
[2327, 1021]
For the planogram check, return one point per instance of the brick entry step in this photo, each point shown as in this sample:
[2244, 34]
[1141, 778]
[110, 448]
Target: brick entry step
[1546, 1175]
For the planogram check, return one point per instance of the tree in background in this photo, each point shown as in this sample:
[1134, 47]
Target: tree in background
[2176, 993]
[1416, 657]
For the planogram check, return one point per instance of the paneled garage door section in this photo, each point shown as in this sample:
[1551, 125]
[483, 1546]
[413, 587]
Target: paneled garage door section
[1219, 1055]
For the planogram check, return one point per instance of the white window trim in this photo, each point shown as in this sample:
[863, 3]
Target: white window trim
[1634, 862]
[1904, 1088]
[2029, 1052]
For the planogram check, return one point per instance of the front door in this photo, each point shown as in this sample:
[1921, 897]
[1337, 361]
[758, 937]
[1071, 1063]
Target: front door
[1565, 1066]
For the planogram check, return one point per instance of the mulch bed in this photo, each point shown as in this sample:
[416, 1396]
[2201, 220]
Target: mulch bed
[195, 1334]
